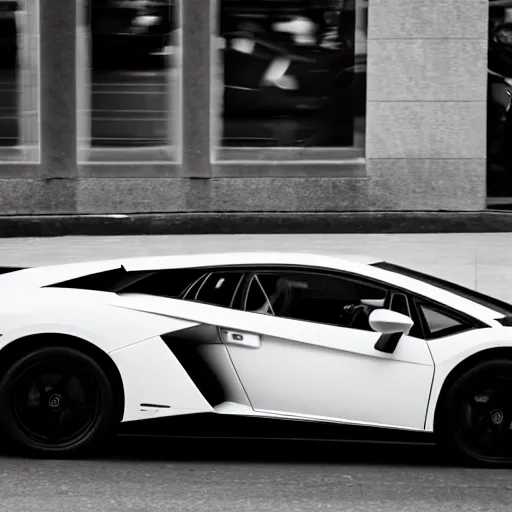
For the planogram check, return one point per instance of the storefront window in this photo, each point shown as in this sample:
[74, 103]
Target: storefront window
[499, 115]
[289, 79]
[19, 81]
[129, 81]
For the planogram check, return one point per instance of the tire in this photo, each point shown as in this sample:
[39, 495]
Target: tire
[52, 414]
[474, 419]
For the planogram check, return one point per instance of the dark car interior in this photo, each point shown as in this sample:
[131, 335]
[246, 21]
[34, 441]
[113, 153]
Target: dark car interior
[314, 298]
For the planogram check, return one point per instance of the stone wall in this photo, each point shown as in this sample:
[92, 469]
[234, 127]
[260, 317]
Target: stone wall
[425, 129]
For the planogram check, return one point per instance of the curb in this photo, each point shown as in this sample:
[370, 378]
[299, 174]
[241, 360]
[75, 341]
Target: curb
[256, 223]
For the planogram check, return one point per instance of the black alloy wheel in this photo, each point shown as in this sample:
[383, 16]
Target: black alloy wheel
[475, 420]
[56, 401]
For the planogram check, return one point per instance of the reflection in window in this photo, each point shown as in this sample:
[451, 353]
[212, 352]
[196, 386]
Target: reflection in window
[290, 73]
[219, 289]
[499, 119]
[19, 80]
[128, 52]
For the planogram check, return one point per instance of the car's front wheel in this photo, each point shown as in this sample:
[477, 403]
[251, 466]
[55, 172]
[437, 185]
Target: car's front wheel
[56, 401]
[474, 421]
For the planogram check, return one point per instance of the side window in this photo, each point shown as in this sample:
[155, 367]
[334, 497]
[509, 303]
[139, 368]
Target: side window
[218, 289]
[314, 297]
[440, 323]
[165, 283]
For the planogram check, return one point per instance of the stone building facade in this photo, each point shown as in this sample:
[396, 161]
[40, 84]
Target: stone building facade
[419, 139]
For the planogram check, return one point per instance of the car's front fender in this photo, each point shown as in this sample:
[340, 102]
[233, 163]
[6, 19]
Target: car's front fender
[450, 352]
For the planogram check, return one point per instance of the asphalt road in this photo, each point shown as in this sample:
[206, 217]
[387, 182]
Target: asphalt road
[190, 475]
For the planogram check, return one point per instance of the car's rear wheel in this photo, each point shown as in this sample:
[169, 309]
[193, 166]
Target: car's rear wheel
[474, 421]
[56, 401]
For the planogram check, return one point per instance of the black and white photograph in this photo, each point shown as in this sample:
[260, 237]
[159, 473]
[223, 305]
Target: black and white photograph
[19, 81]
[255, 255]
[128, 68]
[290, 76]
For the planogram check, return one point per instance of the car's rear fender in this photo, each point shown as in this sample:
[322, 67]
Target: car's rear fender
[82, 313]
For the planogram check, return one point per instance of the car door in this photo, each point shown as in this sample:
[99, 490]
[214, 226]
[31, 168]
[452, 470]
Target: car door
[307, 351]
[199, 300]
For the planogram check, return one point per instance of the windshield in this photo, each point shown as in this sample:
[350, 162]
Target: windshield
[489, 302]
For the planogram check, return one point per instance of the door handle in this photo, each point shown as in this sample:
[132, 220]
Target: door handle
[243, 339]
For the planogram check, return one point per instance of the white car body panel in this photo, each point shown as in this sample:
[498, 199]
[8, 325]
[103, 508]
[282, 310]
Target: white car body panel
[81, 313]
[152, 375]
[343, 378]
[330, 356]
[268, 366]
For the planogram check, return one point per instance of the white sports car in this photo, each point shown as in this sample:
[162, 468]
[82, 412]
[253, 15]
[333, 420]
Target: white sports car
[351, 341]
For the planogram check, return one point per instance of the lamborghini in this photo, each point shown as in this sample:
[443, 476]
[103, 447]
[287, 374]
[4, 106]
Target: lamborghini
[86, 348]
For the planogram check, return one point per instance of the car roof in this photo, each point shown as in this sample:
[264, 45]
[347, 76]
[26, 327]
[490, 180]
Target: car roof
[247, 258]
[51, 274]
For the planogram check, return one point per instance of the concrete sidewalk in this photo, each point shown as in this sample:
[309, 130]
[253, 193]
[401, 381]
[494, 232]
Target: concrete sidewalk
[479, 261]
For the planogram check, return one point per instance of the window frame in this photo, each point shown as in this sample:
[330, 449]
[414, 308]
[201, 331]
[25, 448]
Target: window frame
[253, 278]
[28, 160]
[171, 165]
[195, 146]
[346, 162]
